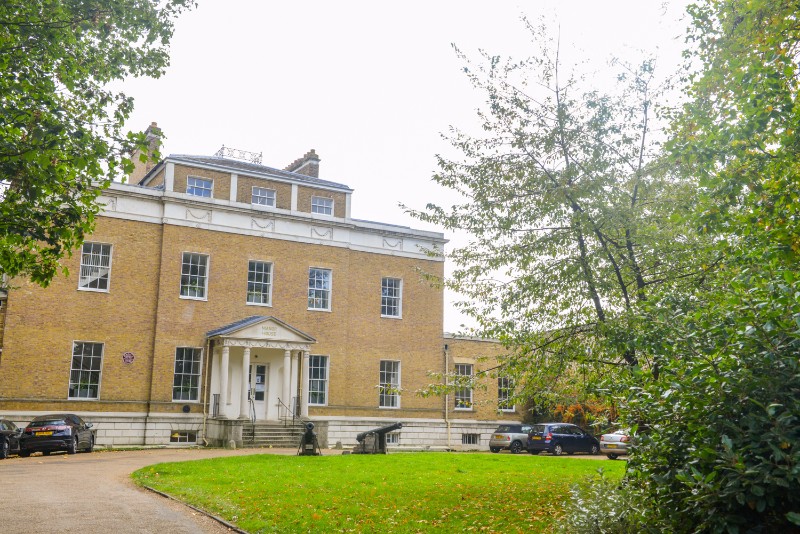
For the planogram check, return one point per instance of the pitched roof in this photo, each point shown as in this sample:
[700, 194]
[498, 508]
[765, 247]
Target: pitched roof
[249, 321]
[254, 168]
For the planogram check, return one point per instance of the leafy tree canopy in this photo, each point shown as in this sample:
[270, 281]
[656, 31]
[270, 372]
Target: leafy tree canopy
[719, 431]
[61, 127]
[575, 219]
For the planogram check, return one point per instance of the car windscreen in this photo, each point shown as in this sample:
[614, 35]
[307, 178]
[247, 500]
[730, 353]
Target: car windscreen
[504, 428]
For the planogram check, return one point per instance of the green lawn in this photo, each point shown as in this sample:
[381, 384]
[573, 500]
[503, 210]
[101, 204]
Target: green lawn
[403, 492]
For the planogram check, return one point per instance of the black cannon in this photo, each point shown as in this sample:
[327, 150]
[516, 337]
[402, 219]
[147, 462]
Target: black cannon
[374, 441]
[309, 446]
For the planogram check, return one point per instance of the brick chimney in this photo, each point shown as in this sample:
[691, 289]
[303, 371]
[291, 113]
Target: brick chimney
[308, 165]
[140, 169]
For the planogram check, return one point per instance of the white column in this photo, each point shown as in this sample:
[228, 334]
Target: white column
[223, 381]
[245, 384]
[304, 386]
[294, 380]
[286, 394]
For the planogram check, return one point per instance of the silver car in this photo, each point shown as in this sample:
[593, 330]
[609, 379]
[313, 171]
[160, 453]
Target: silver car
[511, 436]
[615, 444]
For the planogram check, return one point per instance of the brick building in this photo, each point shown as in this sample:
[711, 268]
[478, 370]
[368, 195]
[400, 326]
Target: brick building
[215, 291]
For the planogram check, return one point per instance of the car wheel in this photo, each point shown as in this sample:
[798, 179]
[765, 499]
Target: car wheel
[73, 446]
[595, 450]
[516, 447]
[24, 454]
[558, 450]
[612, 456]
[4, 448]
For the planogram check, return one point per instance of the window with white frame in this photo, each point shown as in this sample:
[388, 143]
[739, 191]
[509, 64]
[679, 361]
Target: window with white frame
[263, 196]
[318, 380]
[199, 187]
[393, 438]
[186, 380]
[389, 385]
[322, 205]
[319, 289]
[95, 267]
[259, 283]
[391, 297]
[505, 389]
[84, 375]
[194, 275]
[463, 395]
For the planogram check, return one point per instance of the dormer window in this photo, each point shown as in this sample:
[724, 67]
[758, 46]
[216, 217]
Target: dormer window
[322, 205]
[199, 187]
[263, 196]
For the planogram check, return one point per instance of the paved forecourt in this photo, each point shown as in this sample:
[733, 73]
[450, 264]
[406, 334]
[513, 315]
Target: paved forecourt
[94, 493]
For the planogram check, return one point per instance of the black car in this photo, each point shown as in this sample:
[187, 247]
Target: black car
[9, 438]
[57, 432]
[558, 438]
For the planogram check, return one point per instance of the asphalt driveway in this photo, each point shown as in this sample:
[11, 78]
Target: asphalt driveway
[94, 493]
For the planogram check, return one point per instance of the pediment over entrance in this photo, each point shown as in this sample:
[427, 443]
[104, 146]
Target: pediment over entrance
[260, 330]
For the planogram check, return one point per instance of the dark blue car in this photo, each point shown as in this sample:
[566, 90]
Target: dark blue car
[560, 438]
[57, 432]
[9, 438]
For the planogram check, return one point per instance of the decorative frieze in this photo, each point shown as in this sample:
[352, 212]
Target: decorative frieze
[198, 215]
[396, 244]
[264, 344]
[322, 232]
[108, 203]
[267, 225]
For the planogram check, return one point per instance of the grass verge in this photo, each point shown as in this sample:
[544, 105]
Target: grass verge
[411, 492]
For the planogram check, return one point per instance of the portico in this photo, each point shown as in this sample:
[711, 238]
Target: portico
[258, 368]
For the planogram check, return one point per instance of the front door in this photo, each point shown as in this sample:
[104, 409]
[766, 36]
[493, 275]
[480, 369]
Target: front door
[259, 389]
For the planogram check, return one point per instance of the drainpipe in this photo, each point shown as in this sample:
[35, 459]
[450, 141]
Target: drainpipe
[152, 365]
[447, 394]
[207, 385]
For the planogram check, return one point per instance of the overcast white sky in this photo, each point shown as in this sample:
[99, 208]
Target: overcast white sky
[369, 85]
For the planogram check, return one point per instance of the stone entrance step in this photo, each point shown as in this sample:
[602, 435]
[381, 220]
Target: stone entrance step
[266, 434]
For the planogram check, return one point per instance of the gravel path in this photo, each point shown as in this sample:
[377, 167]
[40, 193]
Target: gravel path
[94, 493]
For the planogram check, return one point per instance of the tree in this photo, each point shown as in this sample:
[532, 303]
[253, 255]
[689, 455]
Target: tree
[61, 127]
[719, 451]
[571, 212]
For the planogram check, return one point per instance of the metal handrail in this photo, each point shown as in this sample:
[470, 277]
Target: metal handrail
[294, 415]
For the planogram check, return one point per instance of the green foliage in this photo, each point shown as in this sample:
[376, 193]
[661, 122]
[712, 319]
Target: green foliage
[61, 138]
[604, 505]
[420, 492]
[683, 267]
[738, 134]
[574, 219]
[719, 430]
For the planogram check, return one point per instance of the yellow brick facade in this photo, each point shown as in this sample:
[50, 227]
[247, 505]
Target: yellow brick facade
[304, 195]
[142, 313]
[283, 191]
[483, 355]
